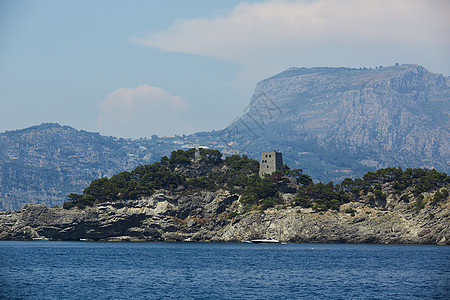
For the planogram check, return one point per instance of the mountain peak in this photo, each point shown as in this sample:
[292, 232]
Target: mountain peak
[40, 127]
[343, 71]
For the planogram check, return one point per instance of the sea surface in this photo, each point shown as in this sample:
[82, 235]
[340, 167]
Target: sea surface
[84, 270]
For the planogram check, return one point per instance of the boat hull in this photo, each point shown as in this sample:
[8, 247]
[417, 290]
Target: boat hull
[265, 241]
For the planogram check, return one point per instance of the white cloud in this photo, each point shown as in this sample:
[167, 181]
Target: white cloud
[267, 37]
[142, 111]
[252, 28]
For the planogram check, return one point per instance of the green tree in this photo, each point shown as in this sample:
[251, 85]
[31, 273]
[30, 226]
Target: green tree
[301, 178]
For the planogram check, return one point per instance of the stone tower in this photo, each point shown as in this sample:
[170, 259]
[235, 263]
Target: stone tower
[270, 162]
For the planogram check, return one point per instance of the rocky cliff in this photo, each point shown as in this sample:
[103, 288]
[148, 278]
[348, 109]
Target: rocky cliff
[340, 122]
[220, 217]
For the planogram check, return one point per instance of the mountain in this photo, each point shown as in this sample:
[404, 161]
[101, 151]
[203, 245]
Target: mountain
[44, 163]
[340, 122]
[331, 122]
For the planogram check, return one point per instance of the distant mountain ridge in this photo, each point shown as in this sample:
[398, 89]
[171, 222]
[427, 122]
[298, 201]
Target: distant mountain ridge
[331, 122]
[42, 163]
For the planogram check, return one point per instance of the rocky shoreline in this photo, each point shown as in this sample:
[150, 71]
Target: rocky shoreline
[220, 217]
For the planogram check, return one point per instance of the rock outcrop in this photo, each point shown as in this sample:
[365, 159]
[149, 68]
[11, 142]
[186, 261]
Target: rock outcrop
[220, 217]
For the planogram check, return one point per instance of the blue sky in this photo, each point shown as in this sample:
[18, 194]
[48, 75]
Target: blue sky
[137, 68]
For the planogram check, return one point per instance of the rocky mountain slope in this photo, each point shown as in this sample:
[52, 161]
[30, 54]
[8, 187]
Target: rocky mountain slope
[340, 122]
[45, 163]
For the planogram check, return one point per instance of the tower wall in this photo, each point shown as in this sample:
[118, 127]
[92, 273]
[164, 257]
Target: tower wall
[270, 162]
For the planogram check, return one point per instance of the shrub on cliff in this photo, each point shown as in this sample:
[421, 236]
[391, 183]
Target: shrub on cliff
[259, 190]
[141, 182]
[423, 180]
[320, 196]
[301, 178]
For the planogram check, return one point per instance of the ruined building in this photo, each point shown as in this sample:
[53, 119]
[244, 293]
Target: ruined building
[270, 162]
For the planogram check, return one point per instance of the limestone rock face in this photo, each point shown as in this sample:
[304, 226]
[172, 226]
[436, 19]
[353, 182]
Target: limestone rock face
[340, 122]
[219, 217]
[160, 217]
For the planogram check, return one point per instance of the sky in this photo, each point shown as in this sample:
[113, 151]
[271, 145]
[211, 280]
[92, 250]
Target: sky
[137, 68]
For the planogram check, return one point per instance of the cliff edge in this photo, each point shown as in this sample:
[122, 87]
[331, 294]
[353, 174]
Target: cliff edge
[220, 217]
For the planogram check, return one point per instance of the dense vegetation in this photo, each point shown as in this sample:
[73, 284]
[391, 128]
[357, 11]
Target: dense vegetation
[143, 180]
[204, 169]
[329, 196]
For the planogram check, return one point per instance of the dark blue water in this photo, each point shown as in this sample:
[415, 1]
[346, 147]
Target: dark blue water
[77, 270]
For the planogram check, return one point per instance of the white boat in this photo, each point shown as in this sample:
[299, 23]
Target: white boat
[265, 241]
[41, 238]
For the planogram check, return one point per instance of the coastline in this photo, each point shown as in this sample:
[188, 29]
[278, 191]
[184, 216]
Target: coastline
[206, 217]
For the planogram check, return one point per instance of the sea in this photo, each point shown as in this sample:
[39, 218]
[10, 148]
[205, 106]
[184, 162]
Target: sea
[95, 270]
